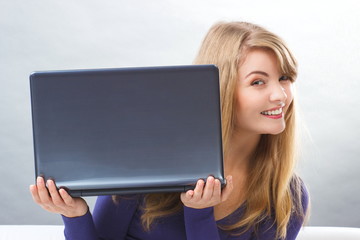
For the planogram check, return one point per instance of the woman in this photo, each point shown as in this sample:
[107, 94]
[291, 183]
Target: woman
[263, 198]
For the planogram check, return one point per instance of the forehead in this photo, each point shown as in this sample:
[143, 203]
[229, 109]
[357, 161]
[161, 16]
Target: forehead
[259, 60]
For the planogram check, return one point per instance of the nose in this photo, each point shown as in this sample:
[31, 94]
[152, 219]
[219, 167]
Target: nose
[278, 93]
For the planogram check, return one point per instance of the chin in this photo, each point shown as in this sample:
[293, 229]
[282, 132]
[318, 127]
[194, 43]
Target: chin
[276, 131]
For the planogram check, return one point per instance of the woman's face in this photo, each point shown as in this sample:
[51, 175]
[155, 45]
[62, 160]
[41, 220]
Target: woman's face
[263, 94]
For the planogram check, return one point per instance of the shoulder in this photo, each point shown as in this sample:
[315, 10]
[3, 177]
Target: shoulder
[305, 197]
[300, 194]
[300, 211]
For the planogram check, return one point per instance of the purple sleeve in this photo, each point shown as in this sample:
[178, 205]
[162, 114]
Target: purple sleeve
[109, 221]
[200, 224]
[80, 227]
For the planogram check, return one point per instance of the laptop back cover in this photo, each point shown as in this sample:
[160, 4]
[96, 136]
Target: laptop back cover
[128, 130]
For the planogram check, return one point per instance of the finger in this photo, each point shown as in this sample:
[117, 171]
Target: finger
[190, 194]
[228, 189]
[35, 194]
[68, 200]
[57, 200]
[209, 188]
[217, 190]
[198, 191]
[43, 191]
[187, 196]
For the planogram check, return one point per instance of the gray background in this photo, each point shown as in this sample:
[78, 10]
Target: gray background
[324, 35]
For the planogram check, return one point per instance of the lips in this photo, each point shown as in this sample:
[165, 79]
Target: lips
[273, 111]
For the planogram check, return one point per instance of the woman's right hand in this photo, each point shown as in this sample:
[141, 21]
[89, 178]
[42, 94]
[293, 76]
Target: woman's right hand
[57, 201]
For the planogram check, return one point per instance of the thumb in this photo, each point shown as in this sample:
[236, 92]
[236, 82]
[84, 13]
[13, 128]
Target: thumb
[227, 189]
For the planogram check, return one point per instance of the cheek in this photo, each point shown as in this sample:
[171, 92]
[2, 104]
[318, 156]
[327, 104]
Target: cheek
[247, 102]
[289, 99]
[289, 94]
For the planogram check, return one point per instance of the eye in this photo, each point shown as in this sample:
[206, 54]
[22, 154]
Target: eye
[284, 78]
[257, 83]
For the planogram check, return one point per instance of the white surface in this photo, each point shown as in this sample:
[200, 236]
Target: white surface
[31, 232]
[329, 233]
[55, 232]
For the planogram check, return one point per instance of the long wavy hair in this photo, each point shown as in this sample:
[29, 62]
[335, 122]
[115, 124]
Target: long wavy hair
[271, 170]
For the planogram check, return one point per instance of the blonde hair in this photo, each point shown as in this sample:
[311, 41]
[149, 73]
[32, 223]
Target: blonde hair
[271, 170]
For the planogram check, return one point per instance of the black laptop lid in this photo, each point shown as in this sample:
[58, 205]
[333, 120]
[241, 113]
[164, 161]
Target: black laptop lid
[128, 130]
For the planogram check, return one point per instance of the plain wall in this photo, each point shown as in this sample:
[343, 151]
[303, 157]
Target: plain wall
[52, 35]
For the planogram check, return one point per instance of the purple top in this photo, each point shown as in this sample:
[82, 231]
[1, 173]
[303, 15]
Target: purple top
[123, 222]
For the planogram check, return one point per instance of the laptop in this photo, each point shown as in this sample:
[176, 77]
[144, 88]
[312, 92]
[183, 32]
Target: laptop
[127, 130]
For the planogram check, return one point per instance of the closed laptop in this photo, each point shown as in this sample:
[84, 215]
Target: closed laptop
[127, 130]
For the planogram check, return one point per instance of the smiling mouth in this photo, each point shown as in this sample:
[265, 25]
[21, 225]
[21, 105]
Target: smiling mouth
[272, 112]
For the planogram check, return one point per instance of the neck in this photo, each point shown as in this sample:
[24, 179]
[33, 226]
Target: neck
[241, 147]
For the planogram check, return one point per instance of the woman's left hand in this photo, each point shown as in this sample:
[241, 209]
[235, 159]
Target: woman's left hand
[207, 195]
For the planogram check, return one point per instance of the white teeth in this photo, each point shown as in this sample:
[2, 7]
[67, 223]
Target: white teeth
[275, 112]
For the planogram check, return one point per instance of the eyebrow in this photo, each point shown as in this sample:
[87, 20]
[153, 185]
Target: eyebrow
[257, 72]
